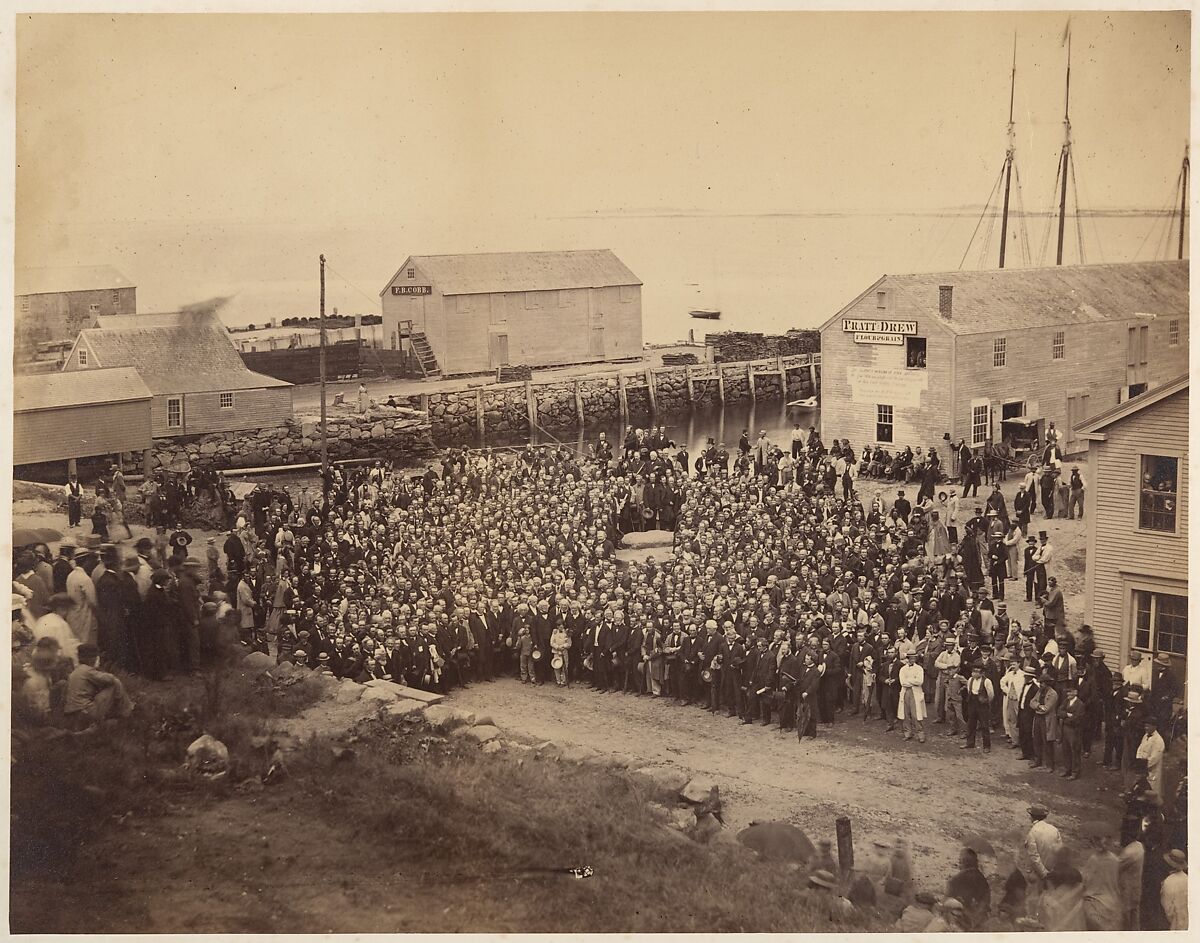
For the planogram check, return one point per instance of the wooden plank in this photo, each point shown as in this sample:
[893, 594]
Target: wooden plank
[479, 412]
[623, 397]
[650, 390]
[578, 405]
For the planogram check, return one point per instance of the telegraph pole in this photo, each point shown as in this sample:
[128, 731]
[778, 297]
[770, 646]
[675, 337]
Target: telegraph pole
[324, 425]
[1183, 199]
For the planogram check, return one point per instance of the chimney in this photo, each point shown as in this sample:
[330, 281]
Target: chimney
[274, 322]
[946, 301]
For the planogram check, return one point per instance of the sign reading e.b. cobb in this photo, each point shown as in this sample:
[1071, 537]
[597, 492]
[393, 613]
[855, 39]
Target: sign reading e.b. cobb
[860, 326]
[412, 290]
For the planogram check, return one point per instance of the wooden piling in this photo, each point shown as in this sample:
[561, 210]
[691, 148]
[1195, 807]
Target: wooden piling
[750, 382]
[479, 413]
[578, 405]
[147, 461]
[650, 391]
[72, 467]
[720, 385]
[531, 405]
[691, 386]
[845, 843]
[623, 397]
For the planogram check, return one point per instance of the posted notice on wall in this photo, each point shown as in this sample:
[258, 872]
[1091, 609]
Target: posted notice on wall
[894, 386]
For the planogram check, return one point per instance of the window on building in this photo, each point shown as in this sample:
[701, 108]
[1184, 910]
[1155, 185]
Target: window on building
[1160, 623]
[999, 351]
[25, 305]
[1159, 502]
[914, 353]
[881, 300]
[82, 357]
[226, 401]
[1138, 338]
[94, 309]
[981, 424]
[1058, 348]
[628, 294]
[883, 423]
[412, 273]
[174, 412]
[116, 298]
[1173, 332]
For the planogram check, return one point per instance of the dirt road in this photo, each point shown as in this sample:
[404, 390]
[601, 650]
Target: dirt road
[931, 794]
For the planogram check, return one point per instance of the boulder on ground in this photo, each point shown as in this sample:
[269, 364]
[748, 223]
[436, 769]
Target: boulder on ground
[698, 789]
[403, 708]
[397, 690]
[484, 720]
[682, 818]
[492, 746]
[777, 841]
[444, 717]
[478, 734]
[426, 697]
[285, 669]
[382, 695]
[208, 756]
[258, 661]
[706, 828]
[665, 777]
[348, 692]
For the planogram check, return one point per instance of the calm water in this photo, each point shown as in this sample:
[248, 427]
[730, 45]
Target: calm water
[765, 273]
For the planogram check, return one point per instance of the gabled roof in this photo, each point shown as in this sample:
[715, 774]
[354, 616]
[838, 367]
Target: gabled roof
[46, 281]
[126, 321]
[1019, 299]
[1093, 427]
[77, 388]
[194, 355]
[486, 272]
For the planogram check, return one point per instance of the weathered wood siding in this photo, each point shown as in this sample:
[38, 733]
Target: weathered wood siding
[47, 435]
[62, 315]
[857, 378]
[202, 412]
[1120, 556]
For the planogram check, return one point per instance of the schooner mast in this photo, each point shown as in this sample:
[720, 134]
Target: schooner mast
[1010, 155]
[1064, 157]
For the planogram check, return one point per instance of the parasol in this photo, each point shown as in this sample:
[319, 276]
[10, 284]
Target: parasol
[978, 844]
[27, 536]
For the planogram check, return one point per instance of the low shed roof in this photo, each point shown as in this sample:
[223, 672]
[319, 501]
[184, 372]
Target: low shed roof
[486, 272]
[78, 388]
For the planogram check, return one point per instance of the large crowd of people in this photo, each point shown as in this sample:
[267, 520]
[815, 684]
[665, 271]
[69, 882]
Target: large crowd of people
[784, 600]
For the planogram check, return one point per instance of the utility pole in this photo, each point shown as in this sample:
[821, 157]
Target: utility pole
[324, 424]
[1183, 199]
[1066, 155]
[1010, 156]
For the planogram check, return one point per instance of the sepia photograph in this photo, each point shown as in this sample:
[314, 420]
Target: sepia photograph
[629, 472]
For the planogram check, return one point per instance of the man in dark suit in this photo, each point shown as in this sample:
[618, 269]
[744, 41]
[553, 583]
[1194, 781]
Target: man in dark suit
[761, 689]
[483, 630]
[709, 654]
[691, 651]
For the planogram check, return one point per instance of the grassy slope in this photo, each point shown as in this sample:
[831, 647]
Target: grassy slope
[414, 833]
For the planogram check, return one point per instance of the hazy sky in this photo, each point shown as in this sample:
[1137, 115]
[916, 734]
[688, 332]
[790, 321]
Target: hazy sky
[211, 124]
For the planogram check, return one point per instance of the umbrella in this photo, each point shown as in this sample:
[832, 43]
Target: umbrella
[777, 841]
[979, 845]
[27, 536]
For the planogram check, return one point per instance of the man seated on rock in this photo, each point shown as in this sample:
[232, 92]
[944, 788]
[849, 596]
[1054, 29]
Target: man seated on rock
[94, 696]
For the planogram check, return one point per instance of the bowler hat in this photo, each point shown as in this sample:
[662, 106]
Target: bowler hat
[1176, 859]
[1037, 810]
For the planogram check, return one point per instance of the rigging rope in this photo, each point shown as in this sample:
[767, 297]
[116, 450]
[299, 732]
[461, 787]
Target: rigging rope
[1168, 209]
[1078, 218]
[986, 206]
[1053, 214]
[1026, 248]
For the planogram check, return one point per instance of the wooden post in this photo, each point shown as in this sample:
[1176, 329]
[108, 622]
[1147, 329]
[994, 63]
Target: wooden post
[845, 842]
[479, 413]
[622, 397]
[650, 391]
[424, 402]
[578, 405]
[147, 460]
[531, 405]
[72, 467]
[720, 385]
[782, 376]
[691, 385]
[750, 381]
[119, 461]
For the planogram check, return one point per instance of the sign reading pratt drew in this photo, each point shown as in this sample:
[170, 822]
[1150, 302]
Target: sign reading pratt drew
[858, 326]
[411, 290]
[863, 338]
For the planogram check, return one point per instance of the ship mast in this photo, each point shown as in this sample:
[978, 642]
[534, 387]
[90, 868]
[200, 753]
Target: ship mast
[1065, 156]
[1009, 155]
[1183, 198]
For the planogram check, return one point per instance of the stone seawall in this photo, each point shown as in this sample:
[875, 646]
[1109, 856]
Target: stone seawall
[385, 432]
[462, 415]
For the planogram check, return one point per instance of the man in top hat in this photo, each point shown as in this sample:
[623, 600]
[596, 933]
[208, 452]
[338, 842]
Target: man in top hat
[1030, 568]
[978, 695]
[145, 572]
[1071, 718]
[1042, 559]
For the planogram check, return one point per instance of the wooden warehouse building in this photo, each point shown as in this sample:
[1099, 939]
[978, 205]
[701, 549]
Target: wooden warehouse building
[66, 416]
[55, 304]
[479, 312]
[1137, 538]
[998, 355]
[193, 370]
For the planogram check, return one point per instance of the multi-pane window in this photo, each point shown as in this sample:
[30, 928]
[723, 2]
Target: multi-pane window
[94, 308]
[914, 353]
[174, 412]
[25, 304]
[883, 423]
[1173, 332]
[116, 297]
[999, 351]
[412, 273]
[226, 401]
[1058, 349]
[1160, 623]
[83, 361]
[1159, 504]
[981, 417]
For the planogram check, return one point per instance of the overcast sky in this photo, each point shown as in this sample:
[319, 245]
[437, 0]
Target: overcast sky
[360, 121]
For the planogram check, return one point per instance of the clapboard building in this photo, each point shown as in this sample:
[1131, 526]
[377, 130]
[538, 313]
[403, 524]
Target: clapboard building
[478, 312]
[55, 304]
[197, 380]
[995, 356]
[1137, 539]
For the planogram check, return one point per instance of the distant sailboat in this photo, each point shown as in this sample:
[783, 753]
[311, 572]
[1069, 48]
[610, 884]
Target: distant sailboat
[706, 314]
